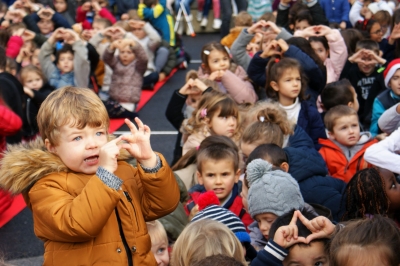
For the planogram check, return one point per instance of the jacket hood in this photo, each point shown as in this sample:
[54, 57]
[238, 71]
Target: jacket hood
[24, 164]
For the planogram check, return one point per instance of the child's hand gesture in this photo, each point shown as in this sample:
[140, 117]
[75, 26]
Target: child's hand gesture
[86, 7]
[28, 35]
[375, 58]
[139, 143]
[357, 57]
[96, 6]
[136, 23]
[287, 236]
[273, 48]
[70, 36]
[216, 75]
[193, 86]
[320, 227]
[57, 35]
[108, 155]
[29, 92]
[395, 34]
[46, 13]
[322, 30]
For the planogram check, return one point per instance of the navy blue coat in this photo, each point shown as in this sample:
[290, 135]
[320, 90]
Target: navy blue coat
[310, 120]
[309, 169]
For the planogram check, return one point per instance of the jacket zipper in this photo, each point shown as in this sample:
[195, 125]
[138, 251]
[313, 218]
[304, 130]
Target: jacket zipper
[121, 232]
[128, 197]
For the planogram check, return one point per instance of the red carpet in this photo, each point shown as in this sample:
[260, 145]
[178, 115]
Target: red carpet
[17, 206]
[145, 97]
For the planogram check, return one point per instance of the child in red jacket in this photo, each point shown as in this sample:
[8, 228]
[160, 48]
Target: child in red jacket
[86, 13]
[10, 123]
[344, 151]
[218, 170]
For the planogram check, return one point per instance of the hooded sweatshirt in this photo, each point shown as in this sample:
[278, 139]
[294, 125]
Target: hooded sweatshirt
[342, 161]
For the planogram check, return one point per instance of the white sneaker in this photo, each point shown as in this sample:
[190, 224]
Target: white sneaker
[199, 16]
[217, 24]
[204, 22]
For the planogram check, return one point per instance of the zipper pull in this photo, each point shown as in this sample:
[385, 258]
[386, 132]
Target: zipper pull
[128, 197]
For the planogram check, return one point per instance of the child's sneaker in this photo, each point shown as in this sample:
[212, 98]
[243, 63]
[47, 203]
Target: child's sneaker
[217, 24]
[199, 16]
[204, 22]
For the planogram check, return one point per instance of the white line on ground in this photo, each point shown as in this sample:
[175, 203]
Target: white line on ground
[152, 132]
[195, 61]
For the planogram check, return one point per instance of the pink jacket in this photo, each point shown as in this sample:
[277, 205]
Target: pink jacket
[14, 44]
[236, 85]
[337, 56]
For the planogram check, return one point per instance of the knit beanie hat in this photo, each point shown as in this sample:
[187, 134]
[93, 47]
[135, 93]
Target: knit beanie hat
[273, 191]
[209, 209]
[393, 66]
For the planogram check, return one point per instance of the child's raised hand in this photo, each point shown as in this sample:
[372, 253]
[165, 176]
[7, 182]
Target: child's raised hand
[257, 27]
[86, 7]
[287, 236]
[138, 143]
[129, 42]
[374, 57]
[96, 6]
[395, 34]
[216, 75]
[70, 36]
[357, 57]
[28, 35]
[46, 13]
[29, 92]
[322, 30]
[273, 48]
[320, 227]
[117, 33]
[57, 35]
[133, 23]
[108, 155]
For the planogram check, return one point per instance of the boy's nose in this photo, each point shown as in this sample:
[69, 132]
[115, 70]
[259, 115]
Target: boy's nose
[91, 143]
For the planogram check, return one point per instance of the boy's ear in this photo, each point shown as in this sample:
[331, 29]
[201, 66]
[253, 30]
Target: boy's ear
[351, 105]
[51, 148]
[274, 85]
[199, 178]
[285, 167]
[331, 135]
[237, 175]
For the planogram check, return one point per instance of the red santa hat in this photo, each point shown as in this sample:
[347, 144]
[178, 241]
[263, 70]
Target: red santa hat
[390, 70]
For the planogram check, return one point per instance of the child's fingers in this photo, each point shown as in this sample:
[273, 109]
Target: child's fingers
[131, 126]
[139, 123]
[116, 140]
[294, 219]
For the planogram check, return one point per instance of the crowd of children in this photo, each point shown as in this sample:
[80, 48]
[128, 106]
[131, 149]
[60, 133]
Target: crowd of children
[288, 144]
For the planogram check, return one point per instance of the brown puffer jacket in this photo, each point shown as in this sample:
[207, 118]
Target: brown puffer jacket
[80, 219]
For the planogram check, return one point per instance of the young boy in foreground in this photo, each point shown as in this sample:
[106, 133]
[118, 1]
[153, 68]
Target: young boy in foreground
[89, 207]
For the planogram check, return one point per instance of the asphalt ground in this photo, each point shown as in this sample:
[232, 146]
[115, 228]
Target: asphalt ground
[18, 243]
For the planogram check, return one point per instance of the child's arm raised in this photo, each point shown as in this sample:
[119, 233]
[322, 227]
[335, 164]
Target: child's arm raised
[160, 190]
[141, 56]
[109, 57]
[46, 52]
[81, 62]
[385, 154]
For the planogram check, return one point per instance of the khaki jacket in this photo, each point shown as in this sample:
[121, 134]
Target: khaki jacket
[80, 219]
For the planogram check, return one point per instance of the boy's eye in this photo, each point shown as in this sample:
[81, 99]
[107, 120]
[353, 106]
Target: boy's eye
[100, 133]
[77, 138]
[319, 263]
[160, 250]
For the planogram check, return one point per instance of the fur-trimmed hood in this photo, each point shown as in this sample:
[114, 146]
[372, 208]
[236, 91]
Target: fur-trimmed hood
[24, 164]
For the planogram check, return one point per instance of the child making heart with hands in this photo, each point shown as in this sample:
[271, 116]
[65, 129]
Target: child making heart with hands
[128, 68]
[232, 79]
[298, 237]
[71, 66]
[329, 45]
